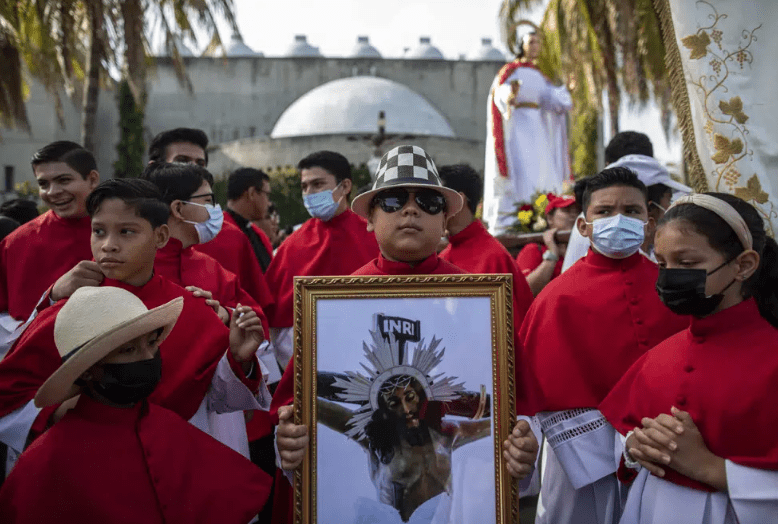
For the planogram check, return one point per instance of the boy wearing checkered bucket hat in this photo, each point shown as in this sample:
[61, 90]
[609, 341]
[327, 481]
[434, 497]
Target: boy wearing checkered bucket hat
[115, 457]
[407, 208]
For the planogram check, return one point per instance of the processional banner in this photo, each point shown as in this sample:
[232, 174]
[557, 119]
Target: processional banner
[721, 60]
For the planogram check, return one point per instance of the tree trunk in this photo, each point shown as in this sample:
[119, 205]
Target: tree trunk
[134, 54]
[92, 87]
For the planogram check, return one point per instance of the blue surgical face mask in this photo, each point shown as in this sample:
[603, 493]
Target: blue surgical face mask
[207, 231]
[617, 236]
[321, 205]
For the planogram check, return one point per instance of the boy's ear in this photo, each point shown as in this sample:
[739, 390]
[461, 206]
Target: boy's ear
[583, 228]
[175, 209]
[161, 236]
[94, 179]
[370, 226]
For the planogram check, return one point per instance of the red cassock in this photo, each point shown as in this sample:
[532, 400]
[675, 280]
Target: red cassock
[335, 247]
[232, 249]
[35, 255]
[189, 354]
[135, 465]
[475, 250]
[586, 328]
[531, 256]
[187, 267]
[723, 370]
[283, 510]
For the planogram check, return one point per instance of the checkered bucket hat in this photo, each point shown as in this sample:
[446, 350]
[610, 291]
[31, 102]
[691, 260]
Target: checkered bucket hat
[406, 166]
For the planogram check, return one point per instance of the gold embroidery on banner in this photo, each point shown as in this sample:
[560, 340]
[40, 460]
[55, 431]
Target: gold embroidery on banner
[725, 120]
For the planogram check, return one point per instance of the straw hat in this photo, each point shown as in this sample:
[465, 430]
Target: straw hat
[407, 166]
[94, 322]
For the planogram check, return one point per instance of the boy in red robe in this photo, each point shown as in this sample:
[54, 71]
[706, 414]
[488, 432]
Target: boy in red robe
[471, 247]
[408, 213]
[115, 457]
[229, 247]
[38, 253]
[333, 242]
[580, 335]
[208, 367]
[186, 189]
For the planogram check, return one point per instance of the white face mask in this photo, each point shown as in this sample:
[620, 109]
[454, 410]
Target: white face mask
[617, 236]
[207, 231]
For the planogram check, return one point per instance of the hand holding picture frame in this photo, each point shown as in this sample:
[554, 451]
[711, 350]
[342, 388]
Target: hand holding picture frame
[406, 384]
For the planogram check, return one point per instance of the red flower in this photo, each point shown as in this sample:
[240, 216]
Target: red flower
[526, 207]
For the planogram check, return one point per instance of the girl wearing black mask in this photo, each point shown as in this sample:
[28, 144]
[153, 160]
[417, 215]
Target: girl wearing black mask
[699, 409]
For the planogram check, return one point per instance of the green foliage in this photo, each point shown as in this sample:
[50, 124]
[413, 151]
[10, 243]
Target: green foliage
[583, 142]
[131, 144]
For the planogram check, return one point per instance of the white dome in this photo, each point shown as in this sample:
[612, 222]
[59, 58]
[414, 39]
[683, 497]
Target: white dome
[301, 47]
[363, 49]
[487, 52]
[425, 51]
[351, 105]
[237, 48]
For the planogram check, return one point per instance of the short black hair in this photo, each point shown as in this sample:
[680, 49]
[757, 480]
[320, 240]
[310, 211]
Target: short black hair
[141, 195]
[74, 155]
[20, 209]
[180, 134]
[628, 143]
[657, 191]
[462, 177]
[334, 163]
[177, 181]
[242, 179]
[613, 176]
[7, 226]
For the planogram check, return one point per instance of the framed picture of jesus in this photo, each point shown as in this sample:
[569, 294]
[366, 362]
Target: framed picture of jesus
[406, 384]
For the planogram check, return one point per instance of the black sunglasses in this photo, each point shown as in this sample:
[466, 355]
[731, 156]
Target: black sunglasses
[428, 200]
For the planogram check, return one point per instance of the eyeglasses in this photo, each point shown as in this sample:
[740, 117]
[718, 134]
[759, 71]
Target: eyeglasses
[392, 200]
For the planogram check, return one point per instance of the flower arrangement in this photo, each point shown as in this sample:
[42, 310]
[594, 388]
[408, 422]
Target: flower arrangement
[531, 217]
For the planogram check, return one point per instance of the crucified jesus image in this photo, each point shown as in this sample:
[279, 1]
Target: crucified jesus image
[406, 421]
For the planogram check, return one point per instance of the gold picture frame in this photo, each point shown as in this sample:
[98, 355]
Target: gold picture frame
[339, 322]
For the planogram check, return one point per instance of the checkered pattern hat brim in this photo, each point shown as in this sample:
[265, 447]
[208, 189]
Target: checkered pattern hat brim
[406, 166]
[404, 162]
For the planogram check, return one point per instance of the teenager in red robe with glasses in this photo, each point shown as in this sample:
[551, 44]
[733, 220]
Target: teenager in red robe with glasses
[698, 410]
[408, 213]
[38, 253]
[230, 247]
[194, 221]
[115, 457]
[208, 367]
[471, 247]
[581, 334]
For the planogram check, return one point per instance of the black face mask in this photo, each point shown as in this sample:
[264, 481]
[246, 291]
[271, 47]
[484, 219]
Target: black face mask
[683, 291]
[132, 382]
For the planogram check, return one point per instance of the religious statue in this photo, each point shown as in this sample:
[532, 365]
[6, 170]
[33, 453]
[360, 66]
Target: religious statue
[526, 145]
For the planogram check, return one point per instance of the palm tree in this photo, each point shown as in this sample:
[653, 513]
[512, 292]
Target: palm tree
[83, 43]
[596, 46]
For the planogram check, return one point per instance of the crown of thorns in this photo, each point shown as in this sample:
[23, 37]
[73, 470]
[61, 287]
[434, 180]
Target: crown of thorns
[388, 368]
